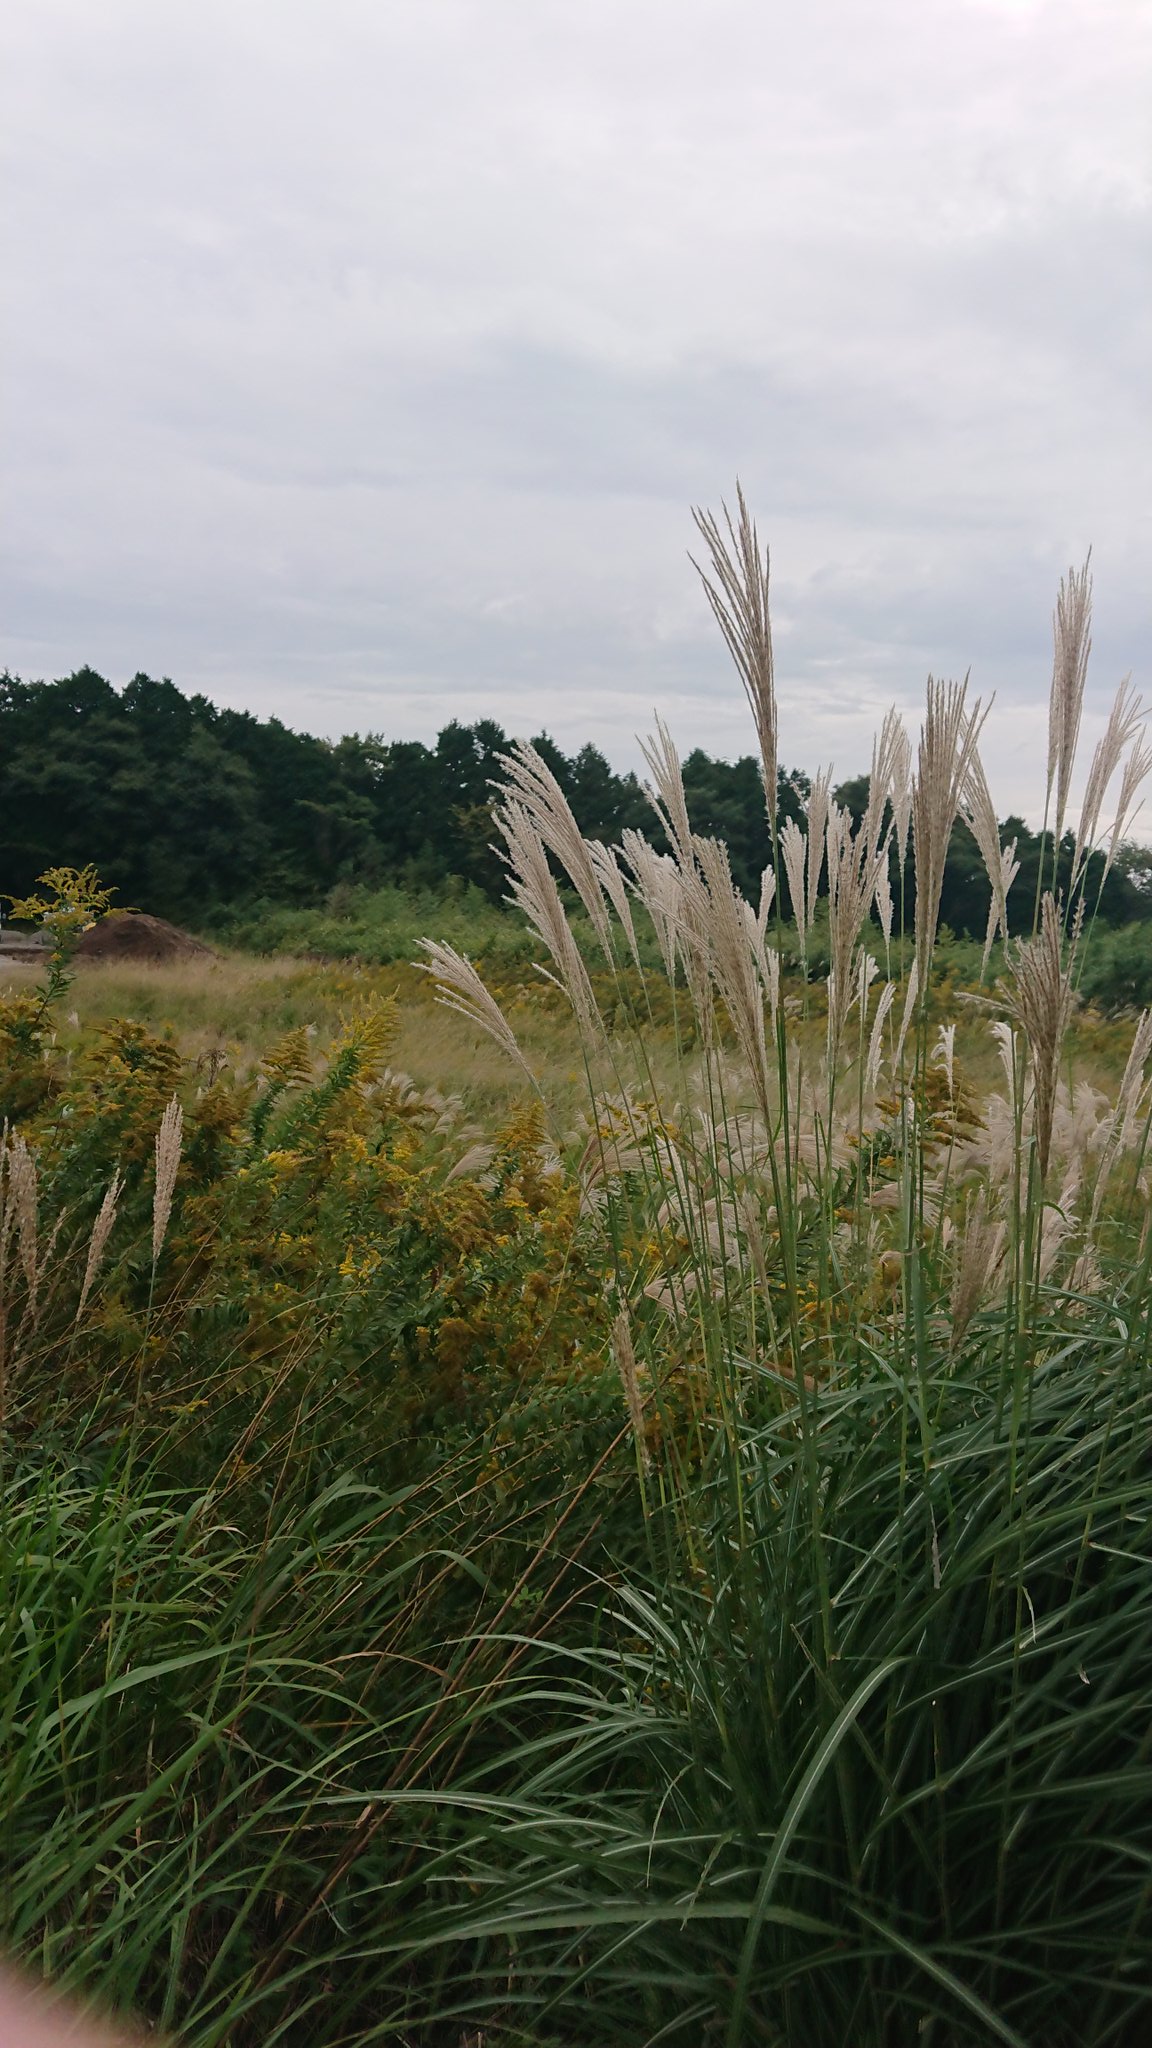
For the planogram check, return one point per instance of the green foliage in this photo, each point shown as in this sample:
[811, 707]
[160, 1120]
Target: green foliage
[1118, 969]
[73, 902]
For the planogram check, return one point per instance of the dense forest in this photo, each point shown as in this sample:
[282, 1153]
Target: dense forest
[189, 810]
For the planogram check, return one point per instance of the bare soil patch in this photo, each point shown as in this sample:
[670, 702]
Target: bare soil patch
[134, 935]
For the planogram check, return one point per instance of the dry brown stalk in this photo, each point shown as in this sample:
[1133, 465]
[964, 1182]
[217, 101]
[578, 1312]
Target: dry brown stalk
[739, 601]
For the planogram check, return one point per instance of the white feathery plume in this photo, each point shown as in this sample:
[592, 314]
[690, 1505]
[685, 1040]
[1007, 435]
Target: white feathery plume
[876, 1037]
[1005, 1038]
[535, 788]
[1136, 768]
[911, 997]
[733, 960]
[169, 1139]
[818, 806]
[533, 888]
[900, 794]
[625, 1356]
[980, 1256]
[460, 988]
[854, 861]
[884, 900]
[947, 744]
[667, 795]
[1126, 1111]
[793, 847]
[767, 898]
[101, 1231]
[23, 1200]
[739, 601]
[1126, 721]
[1071, 645]
[607, 871]
[657, 886]
[1042, 1001]
[1000, 863]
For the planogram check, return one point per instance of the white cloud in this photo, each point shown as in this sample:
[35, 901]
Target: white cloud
[371, 358]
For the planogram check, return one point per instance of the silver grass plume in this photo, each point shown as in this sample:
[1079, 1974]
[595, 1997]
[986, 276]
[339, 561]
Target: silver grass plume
[854, 862]
[884, 906]
[1000, 862]
[23, 1197]
[625, 1356]
[169, 1139]
[535, 788]
[1042, 1002]
[818, 808]
[1136, 770]
[606, 867]
[900, 793]
[1126, 721]
[1071, 645]
[666, 794]
[793, 847]
[947, 744]
[1005, 1038]
[656, 885]
[533, 888]
[944, 1055]
[876, 1037]
[1126, 1108]
[460, 988]
[980, 1257]
[911, 998]
[739, 600]
[737, 962]
[97, 1243]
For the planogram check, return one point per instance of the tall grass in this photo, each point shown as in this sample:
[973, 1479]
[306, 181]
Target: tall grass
[797, 1697]
[865, 1756]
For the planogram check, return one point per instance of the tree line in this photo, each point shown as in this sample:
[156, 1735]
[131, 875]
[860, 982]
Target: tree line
[189, 809]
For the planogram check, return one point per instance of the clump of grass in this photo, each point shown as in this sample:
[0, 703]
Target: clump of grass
[849, 1757]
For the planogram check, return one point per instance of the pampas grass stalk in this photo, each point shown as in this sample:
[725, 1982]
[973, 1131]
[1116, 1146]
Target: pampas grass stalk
[169, 1140]
[1071, 646]
[737, 590]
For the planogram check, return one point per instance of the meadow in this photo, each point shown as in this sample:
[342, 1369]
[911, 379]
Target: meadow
[610, 1506]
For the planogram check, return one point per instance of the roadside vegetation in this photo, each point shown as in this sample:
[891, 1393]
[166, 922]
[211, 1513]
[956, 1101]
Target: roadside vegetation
[605, 1507]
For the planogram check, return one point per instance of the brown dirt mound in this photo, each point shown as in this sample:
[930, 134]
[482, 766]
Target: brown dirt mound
[133, 935]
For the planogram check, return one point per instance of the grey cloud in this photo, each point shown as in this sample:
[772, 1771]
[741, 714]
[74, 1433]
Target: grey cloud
[372, 361]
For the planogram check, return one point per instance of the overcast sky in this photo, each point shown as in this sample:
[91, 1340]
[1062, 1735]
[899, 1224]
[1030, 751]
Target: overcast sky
[364, 360]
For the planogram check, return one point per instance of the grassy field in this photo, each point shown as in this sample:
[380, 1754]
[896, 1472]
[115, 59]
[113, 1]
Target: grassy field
[611, 1509]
